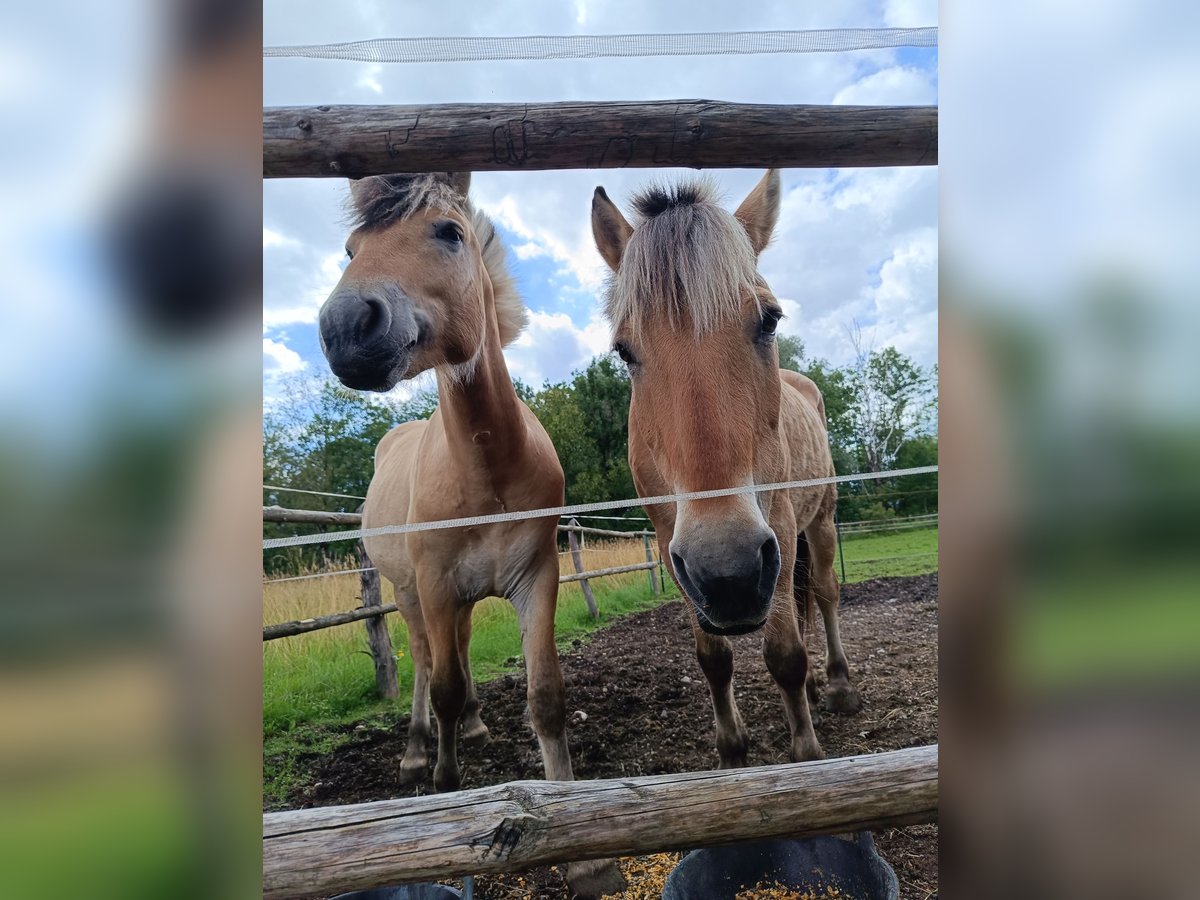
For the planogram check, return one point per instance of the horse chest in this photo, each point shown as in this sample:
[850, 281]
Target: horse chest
[489, 562]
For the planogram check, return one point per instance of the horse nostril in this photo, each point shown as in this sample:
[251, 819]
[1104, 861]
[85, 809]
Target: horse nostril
[677, 563]
[374, 320]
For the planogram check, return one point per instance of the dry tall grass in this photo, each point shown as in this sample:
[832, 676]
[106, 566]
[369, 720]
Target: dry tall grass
[291, 600]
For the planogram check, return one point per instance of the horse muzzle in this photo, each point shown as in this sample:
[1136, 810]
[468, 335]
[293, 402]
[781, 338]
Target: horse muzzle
[732, 586]
[369, 338]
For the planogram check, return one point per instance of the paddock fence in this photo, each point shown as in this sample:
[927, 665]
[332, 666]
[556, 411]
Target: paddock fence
[511, 827]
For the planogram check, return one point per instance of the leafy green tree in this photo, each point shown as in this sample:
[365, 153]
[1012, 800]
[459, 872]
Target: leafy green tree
[603, 392]
[791, 352]
[557, 408]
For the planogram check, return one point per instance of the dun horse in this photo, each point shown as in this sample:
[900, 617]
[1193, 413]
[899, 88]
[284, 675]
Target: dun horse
[695, 323]
[427, 288]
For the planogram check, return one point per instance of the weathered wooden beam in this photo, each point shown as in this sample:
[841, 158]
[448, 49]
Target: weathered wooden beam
[600, 573]
[287, 629]
[379, 639]
[309, 516]
[514, 826]
[353, 141]
[577, 559]
[602, 532]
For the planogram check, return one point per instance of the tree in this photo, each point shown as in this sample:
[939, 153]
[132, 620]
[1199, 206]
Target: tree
[893, 400]
[791, 352]
[603, 393]
[322, 437]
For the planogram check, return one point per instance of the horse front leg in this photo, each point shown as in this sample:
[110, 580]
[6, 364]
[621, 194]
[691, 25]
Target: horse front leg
[787, 661]
[548, 713]
[448, 683]
[715, 655]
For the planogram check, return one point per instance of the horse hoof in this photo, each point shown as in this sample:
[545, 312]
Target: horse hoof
[445, 779]
[843, 700]
[807, 752]
[476, 737]
[413, 772]
[594, 878]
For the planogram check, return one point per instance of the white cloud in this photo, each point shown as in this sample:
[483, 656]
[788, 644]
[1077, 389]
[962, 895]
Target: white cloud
[275, 239]
[552, 347]
[894, 86]
[910, 13]
[279, 359]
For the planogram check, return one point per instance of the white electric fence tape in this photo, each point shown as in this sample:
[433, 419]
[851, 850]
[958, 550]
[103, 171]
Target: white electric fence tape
[594, 46]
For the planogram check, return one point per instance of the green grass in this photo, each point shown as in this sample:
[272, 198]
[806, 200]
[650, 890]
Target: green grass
[310, 697]
[867, 555]
[1105, 627]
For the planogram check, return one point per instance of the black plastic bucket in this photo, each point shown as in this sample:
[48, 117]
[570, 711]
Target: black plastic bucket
[405, 892]
[720, 873]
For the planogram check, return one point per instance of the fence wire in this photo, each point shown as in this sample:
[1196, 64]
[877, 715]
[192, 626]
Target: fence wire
[561, 511]
[597, 46]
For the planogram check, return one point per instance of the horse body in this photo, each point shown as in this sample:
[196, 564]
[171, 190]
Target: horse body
[427, 288]
[710, 409]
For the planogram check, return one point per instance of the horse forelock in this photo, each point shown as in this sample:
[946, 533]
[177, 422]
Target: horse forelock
[383, 199]
[687, 259]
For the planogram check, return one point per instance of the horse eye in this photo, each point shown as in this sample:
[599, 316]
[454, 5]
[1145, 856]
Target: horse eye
[349, 253]
[449, 232]
[623, 351]
[770, 321]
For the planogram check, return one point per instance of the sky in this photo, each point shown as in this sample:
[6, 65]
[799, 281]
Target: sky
[854, 248]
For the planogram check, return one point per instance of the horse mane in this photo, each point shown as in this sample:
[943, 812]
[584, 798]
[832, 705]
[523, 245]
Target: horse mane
[381, 200]
[687, 255]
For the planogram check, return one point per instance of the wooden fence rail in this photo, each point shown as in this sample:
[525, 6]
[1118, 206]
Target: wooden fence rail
[513, 826]
[354, 141]
[301, 626]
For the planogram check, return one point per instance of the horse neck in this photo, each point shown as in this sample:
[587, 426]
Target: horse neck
[480, 409]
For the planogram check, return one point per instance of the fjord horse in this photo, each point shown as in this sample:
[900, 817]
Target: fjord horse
[427, 288]
[695, 324]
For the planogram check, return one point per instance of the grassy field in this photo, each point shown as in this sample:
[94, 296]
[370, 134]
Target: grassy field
[910, 552]
[316, 683]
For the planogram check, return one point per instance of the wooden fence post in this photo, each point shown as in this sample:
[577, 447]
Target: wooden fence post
[577, 558]
[378, 638]
[650, 559]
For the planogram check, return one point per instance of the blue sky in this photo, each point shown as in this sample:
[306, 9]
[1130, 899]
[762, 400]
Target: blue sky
[853, 246]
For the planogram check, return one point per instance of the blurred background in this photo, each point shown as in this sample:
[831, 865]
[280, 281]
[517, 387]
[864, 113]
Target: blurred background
[130, 389]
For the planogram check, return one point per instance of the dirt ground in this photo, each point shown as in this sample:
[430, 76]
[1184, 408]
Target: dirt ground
[649, 713]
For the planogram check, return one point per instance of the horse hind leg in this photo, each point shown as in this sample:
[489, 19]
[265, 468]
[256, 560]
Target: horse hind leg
[840, 695]
[474, 732]
[802, 592]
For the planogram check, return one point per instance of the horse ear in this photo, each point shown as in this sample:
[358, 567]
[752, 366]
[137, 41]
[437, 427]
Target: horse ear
[760, 211]
[460, 181]
[609, 228]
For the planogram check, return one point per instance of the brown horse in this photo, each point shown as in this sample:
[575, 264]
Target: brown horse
[427, 288]
[695, 324]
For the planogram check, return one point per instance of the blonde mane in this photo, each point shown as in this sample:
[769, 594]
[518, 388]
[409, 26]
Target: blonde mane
[687, 257]
[380, 200]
